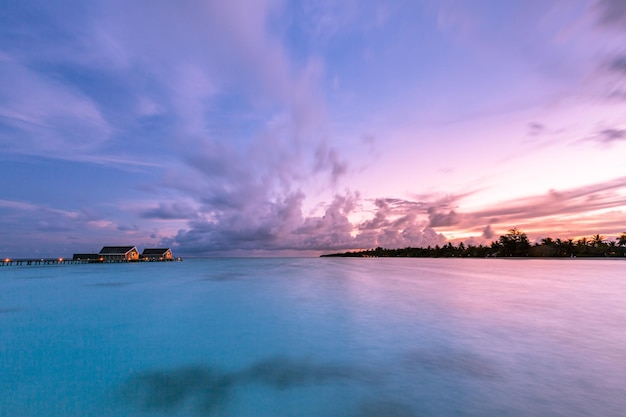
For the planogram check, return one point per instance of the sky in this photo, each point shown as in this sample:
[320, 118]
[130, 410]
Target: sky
[276, 127]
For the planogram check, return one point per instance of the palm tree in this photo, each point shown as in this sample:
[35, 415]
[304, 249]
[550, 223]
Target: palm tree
[582, 246]
[559, 245]
[569, 247]
[515, 243]
[621, 241]
[596, 240]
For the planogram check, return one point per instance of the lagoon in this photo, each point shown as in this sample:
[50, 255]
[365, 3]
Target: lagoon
[315, 337]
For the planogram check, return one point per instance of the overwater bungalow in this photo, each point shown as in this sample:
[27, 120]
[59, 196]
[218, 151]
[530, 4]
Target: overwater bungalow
[119, 253]
[157, 254]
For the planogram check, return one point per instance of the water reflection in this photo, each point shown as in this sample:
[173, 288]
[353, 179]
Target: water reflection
[225, 276]
[10, 310]
[282, 373]
[109, 284]
[167, 390]
[384, 409]
[205, 389]
[458, 362]
[361, 338]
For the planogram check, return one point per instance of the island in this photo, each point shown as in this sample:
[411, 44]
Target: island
[515, 243]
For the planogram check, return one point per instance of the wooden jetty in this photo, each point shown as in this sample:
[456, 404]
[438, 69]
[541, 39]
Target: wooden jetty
[107, 255]
[39, 261]
[74, 261]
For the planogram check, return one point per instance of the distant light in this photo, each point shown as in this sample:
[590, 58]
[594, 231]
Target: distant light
[7, 260]
[60, 259]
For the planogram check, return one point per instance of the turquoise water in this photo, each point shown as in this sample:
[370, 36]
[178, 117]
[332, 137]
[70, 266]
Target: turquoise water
[315, 337]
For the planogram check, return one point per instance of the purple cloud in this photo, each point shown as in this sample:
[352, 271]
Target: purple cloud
[281, 225]
[57, 232]
[618, 64]
[536, 129]
[612, 12]
[438, 219]
[488, 232]
[235, 118]
[172, 211]
[328, 159]
[45, 116]
[611, 135]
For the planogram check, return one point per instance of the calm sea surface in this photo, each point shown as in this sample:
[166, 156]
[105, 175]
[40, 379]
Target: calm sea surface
[315, 337]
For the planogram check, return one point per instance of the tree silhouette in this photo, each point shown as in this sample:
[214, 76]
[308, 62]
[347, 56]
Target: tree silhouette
[514, 243]
[597, 240]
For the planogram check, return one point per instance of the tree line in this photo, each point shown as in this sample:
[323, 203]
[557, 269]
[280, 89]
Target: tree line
[512, 244]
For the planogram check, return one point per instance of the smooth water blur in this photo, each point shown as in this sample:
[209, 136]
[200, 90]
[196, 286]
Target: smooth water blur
[315, 337]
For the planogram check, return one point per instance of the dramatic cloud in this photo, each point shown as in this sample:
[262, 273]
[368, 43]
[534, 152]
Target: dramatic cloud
[270, 225]
[394, 223]
[217, 127]
[281, 225]
[438, 219]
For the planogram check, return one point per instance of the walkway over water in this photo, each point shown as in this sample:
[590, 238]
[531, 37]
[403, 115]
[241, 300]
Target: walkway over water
[70, 261]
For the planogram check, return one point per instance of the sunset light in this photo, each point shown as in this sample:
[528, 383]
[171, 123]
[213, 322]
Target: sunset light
[293, 129]
[356, 208]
